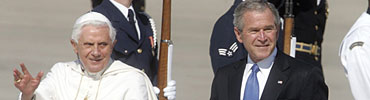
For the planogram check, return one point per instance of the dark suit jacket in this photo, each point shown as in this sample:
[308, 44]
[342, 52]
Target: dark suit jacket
[300, 81]
[130, 50]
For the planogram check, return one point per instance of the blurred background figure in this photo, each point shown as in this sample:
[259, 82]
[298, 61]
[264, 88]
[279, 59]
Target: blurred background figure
[139, 5]
[355, 56]
[224, 48]
[309, 26]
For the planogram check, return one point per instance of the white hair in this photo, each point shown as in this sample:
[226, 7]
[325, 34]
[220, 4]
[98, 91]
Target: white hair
[94, 19]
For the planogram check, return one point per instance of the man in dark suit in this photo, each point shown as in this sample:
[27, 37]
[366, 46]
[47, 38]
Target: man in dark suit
[310, 19]
[266, 73]
[135, 44]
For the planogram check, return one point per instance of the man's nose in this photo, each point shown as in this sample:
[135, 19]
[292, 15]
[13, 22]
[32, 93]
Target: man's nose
[261, 35]
[96, 51]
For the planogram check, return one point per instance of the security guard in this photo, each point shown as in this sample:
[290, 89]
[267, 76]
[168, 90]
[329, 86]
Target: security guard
[309, 25]
[355, 56]
[139, 5]
[224, 48]
[136, 45]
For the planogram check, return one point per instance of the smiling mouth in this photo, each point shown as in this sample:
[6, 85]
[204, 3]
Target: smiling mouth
[266, 45]
[96, 60]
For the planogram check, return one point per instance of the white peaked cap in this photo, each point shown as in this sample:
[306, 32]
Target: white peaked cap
[92, 16]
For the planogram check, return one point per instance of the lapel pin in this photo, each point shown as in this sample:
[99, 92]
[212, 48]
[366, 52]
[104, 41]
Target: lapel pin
[280, 82]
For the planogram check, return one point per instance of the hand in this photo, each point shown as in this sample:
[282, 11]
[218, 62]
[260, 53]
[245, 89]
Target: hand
[156, 90]
[26, 83]
[170, 90]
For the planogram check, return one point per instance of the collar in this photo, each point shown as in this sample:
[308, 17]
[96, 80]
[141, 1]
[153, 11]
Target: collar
[368, 10]
[265, 63]
[122, 8]
[96, 75]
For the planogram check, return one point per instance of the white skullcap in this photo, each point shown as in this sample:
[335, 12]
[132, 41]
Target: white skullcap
[92, 16]
[88, 18]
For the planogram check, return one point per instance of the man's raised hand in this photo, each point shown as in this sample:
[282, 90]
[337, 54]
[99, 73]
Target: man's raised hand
[25, 82]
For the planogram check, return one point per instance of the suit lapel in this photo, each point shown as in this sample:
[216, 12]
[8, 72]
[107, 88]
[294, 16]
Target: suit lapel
[235, 81]
[278, 75]
[119, 20]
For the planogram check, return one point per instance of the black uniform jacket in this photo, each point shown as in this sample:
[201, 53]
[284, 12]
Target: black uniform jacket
[224, 48]
[128, 49]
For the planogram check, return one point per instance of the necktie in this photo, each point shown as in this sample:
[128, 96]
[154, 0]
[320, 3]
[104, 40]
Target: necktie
[132, 22]
[251, 87]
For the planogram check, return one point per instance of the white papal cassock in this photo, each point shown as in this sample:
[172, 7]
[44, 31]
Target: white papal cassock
[67, 81]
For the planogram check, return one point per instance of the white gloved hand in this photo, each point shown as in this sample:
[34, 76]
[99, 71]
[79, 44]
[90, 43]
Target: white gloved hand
[170, 90]
[156, 90]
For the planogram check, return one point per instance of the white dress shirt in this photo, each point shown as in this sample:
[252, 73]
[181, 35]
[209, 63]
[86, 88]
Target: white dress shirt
[262, 75]
[67, 81]
[355, 57]
[124, 11]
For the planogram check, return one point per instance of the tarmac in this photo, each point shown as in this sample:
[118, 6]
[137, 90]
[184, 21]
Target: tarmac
[37, 33]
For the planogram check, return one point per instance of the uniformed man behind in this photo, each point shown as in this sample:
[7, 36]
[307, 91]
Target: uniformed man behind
[138, 5]
[355, 56]
[140, 50]
[309, 26]
[136, 44]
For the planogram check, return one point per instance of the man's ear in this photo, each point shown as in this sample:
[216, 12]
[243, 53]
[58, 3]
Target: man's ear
[74, 44]
[278, 28]
[238, 34]
[114, 42]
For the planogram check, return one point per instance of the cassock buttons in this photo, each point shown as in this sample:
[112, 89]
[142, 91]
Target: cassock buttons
[316, 27]
[315, 12]
[139, 51]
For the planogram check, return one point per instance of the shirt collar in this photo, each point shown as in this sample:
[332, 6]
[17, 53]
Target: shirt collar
[265, 63]
[122, 8]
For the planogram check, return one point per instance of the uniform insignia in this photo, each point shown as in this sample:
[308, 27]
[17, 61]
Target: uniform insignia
[228, 52]
[359, 43]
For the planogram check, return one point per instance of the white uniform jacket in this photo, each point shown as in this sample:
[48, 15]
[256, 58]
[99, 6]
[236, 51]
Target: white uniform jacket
[355, 57]
[66, 81]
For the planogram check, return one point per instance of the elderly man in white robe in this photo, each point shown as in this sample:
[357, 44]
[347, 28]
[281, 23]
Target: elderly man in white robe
[93, 76]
